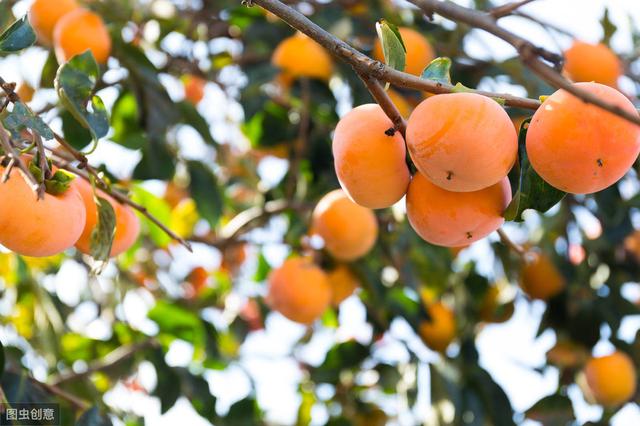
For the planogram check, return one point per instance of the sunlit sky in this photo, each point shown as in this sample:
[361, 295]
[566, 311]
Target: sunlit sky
[508, 351]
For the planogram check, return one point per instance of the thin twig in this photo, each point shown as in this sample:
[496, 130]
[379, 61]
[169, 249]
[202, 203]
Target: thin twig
[300, 143]
[364, 65]
[54, 390]
[121, 198]
[110, 360]
[8, 148]
[385, 102]
[530, 54]
[243, 220]
[507, 9]
[520, 251]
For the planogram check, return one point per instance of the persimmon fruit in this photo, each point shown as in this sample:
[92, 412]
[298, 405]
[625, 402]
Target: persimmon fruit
[26, 222]
[438, 332]
[343, 283]
[81, 30]
[193, 88]
[45, 14]
[369, 156]
[611, 378]
[539, 277]
[300, 56]
[581, 148]
[462, 141]
[349, 230]
[455, 219]
[299, 290]
[592, 62]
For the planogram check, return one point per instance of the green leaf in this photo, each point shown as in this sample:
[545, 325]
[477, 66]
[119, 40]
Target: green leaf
[125, 120]
[177, 322]
[552, 410]
[206, 192]
[75, 83]
[393, 47]
[18, 36]
[532, 192]
[343, 356]
[21, 118]
[93, 417]
[438, 70]
[608, 27]
[58, 183]
[49, 71]
[74, 132]
[168, 382]
[104, 232]
[245, 412]
[196, 390]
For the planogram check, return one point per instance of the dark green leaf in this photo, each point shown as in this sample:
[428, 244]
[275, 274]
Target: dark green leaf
[532, 192]
[196, 390]
[168, 383]
[74, 132]
[393, 47]
[552, 410]
[245, 412]
[75, 83]
[177, 322]
[18, 36]
[206, 192]
[125, 120]
[608, 27]
[438, 70]
[49, 71]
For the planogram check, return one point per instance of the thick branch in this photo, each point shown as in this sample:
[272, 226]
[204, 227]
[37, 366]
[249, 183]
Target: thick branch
[364, 65]
[529, 53]
[385, 102]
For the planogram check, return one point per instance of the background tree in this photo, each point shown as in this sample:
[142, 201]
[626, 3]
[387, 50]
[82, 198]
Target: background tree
[170, 191]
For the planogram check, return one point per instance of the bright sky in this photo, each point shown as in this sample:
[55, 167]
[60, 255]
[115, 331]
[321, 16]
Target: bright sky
[508, 351]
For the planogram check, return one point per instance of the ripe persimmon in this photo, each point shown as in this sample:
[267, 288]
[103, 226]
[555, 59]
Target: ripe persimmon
[462, 141]
[45, 14]
[419, 51]
[300, 56]
[26, 222]
[193, 88]
[539, 277]
[455, 219]
[611, 378]
[592, 62]
[440, 330]
[127, 223]
[299, 290]
[343, 283]
[369, 157]
[581, 148]
[81, 30]
[349, 230]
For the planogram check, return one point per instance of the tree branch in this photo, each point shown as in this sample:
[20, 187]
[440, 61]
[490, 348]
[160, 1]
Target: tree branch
[504, 238]
[364, 65]
[111, 359]
[385, 102]
[530, 54]
[9, 150]
[507, 9]
[300, 143]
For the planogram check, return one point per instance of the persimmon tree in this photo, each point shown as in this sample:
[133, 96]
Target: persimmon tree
[395, 164]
